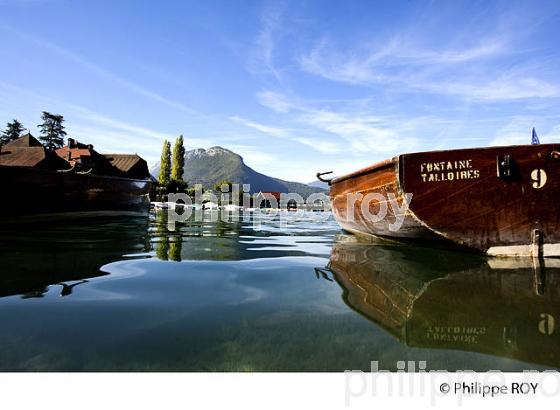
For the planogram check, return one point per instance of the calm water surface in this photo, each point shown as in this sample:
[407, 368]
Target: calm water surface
[133, 294]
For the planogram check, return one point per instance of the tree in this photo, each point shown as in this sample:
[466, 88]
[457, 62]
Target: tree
[13, 131]
[165, 165]
[225, 189]
[178, 166]
[52, 130]
[219, 185]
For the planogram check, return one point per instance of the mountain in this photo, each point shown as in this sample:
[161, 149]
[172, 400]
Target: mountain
[212, 165]
[319, 184]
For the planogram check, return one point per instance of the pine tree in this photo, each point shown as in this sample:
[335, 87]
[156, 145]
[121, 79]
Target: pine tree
[52, 130]
[165, 164]
[178, 166]
[13, 131]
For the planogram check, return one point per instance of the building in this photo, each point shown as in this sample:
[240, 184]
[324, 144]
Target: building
[129, 165]
[84, 157]
[266, 200]
[27, 151]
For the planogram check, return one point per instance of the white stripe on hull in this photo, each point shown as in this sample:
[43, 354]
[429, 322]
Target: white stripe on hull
[549, 250]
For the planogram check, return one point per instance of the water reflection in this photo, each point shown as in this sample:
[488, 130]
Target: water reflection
[214, 237]
[65, 255]
[225, 296]
[446, 300]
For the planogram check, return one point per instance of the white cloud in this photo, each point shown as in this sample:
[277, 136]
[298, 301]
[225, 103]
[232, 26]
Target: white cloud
[273, 131]
[320, 145]
[470, 72]
[274, 101]
[518, 131]
[103, 72]
[253, 156]
[331, 132]
[262, 54]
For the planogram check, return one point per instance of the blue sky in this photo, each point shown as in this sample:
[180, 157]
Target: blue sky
[294, 87]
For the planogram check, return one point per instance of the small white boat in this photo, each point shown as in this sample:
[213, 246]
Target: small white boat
[231, 208]
[210, 205]
[160, 205]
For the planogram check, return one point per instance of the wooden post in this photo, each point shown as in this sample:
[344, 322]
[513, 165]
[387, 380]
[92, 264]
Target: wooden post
[537, 244]
[539, 270]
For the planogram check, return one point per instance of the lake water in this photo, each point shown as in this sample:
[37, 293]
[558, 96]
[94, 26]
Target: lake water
[135, 295]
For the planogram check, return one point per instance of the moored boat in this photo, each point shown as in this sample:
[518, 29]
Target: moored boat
[503, 201]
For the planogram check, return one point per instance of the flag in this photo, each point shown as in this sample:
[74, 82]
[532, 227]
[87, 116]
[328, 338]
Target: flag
[535, 139]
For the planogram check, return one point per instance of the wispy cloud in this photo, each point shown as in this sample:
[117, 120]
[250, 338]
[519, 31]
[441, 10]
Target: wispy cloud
[323, 146]
[254, 156]
[517, 131]
[275, 101]
[479, 72]
[106, 133]
[102, 72]
[331, 132]
[273, 131]
[262, 58]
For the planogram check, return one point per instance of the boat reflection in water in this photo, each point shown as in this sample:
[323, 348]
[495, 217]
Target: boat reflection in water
[66, 255]
[446, 300]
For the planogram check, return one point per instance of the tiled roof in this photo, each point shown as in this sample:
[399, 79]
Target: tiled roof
[75, 153]
[31, 157]
[276, 195]
[123, 162]
[21, 156]
[26, 140]
[27, 151]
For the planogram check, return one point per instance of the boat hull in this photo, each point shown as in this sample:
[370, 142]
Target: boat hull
[460, 196]
[29, 192]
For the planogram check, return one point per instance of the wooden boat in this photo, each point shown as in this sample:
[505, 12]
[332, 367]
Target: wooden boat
[450, 300]
[502, 201]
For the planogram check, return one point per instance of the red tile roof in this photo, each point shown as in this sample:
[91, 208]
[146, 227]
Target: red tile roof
[75, 153]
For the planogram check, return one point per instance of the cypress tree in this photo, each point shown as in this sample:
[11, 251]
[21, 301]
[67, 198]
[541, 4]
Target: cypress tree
[178, 166]
[165, 164]
[52, 130]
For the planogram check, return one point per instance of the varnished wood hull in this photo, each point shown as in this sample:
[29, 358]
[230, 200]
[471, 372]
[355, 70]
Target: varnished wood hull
[29, 192]
[458, 196]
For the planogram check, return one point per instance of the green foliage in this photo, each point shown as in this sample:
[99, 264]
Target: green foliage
[177, 186]
[175, 248]
[218, 186]
[165, 165]
[52, 130]
[178, 166]
[13, 131]
[191, 192]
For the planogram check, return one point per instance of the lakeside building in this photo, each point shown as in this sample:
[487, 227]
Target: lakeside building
[72, 179]
[27, 151]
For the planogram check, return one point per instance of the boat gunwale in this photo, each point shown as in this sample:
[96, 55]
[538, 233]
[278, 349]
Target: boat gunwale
[396, 159]
[377, 166]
